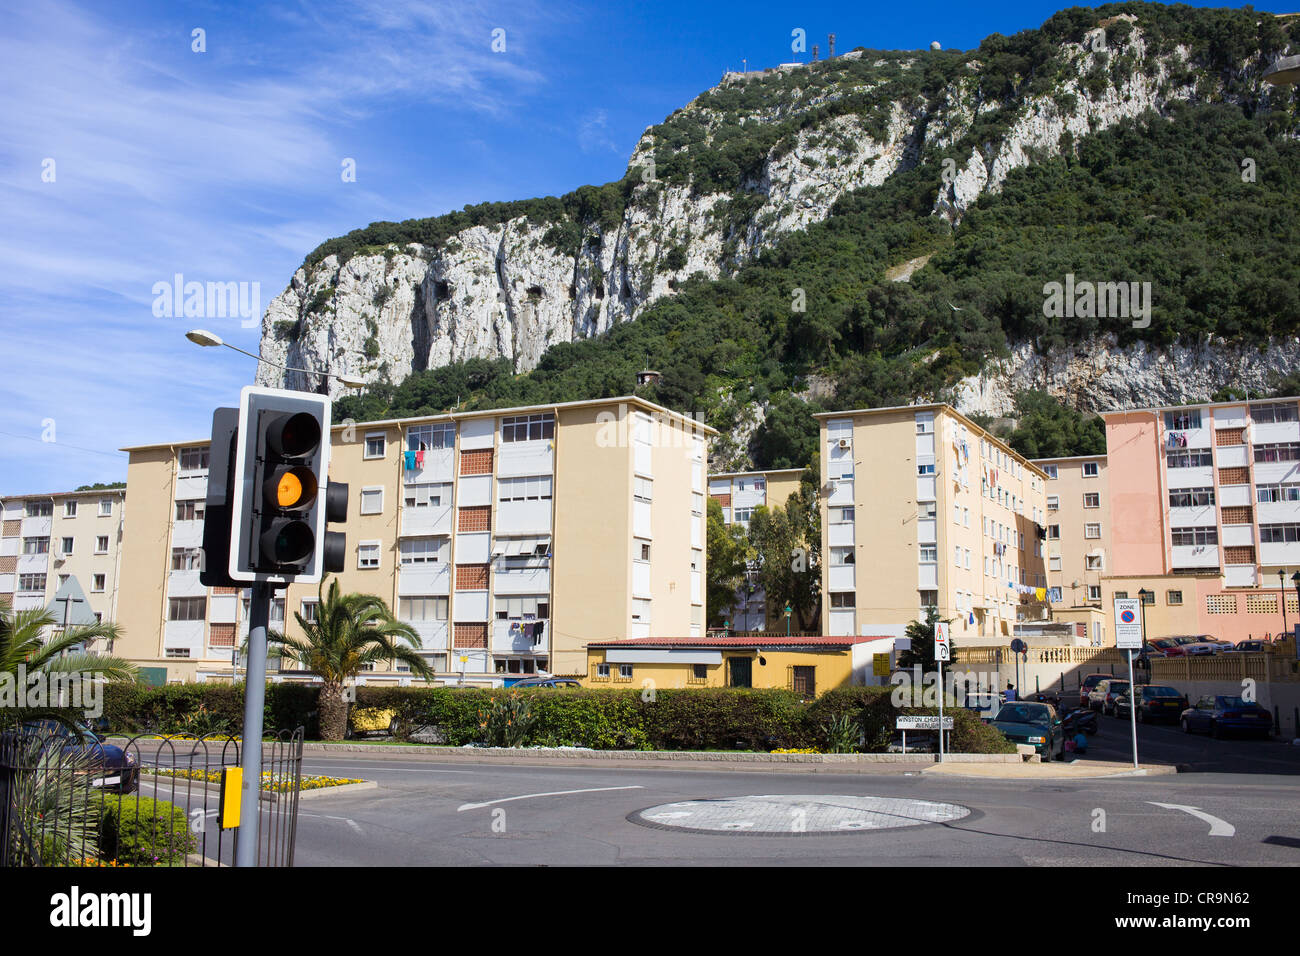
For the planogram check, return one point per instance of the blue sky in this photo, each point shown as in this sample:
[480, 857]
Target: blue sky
[224, 165]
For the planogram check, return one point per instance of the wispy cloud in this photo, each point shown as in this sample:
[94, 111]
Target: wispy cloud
[593, 134]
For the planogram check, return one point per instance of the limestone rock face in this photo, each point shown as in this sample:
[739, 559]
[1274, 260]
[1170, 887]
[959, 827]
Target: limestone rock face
[513, 289]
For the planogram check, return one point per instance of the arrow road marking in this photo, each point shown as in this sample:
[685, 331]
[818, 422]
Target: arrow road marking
[1217, 827]
[529, 796]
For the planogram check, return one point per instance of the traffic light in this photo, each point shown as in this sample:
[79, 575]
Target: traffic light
[282, 497]
[214, 567]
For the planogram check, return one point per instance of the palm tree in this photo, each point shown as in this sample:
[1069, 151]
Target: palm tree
[21, 643]
[350, 631]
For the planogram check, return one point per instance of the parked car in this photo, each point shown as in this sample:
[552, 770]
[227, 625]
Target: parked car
[1103, 696]
[1217, 714]
[1155, 702]
[1246, 647]
[1164, 647]
[109, 766]
[1089, 683]
[1026, 722]
[547, 682]
[1205, 648]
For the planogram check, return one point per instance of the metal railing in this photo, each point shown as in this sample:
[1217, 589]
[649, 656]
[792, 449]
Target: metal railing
[73, 800]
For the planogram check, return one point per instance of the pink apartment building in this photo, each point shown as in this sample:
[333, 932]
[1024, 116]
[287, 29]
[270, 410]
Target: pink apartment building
[1204, 514]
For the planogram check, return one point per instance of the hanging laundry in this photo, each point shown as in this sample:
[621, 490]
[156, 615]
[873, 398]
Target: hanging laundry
[419, 458]
[528, 630]
[1040, 593]
[515, 629]
[409, 458]
[538, 628]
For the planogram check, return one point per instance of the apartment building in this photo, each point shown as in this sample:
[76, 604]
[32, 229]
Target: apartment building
[923, 508]
[1205, 501]
[508, 538]
[63, 545]
[739, 493]
[1078, 529]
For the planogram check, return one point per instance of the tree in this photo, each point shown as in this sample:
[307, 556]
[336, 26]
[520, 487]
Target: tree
[921, 635]
[787, 547]
[728, 553]
[22, 643]
[1049, 429]
[350, 631]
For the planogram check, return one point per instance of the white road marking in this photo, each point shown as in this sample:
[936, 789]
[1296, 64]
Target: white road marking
[1218, 827]
[326, 816]
[530, 796]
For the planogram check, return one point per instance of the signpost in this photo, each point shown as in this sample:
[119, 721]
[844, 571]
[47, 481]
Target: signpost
[1128, 636]
[942, 652]
[922, 722]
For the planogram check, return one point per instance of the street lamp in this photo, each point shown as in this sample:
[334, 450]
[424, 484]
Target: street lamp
[208, 340]
[787, 620]
[1143, 594]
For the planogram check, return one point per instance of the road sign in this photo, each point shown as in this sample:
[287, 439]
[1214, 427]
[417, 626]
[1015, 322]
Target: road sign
[942, 649]
[921, 723]
[880, 665]
[1128, 623]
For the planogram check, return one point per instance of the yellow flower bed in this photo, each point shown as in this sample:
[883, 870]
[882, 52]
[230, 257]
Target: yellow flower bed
[274, 783]
[798, 750]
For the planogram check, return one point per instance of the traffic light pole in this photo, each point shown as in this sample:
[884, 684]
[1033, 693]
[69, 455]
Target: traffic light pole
[259, 615]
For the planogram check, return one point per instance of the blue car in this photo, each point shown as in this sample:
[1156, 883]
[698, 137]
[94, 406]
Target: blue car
[111, 767]
[1219, 715]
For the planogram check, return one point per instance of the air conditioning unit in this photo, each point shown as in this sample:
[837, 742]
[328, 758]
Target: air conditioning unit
[846, 443]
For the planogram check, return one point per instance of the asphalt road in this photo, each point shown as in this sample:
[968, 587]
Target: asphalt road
[1166, 743]
[428, 813]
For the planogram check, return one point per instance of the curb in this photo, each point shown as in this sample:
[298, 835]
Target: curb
[346, 788]
[1061, 773]
[264, 796]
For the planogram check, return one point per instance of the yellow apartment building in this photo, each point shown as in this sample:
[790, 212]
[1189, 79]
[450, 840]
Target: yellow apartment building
[67, 540]
[1078, 534]
[739, 493]
[508, 538]
[923, 508]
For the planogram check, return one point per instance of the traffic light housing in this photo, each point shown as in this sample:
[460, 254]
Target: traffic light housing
[281, 496]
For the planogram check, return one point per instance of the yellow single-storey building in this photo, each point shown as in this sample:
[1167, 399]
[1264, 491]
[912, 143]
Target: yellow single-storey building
[807, 665]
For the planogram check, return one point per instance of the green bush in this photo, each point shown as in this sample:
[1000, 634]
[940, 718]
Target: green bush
[131, 708]
[143, 831]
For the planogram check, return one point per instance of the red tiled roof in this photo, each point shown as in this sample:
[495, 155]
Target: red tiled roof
[774, 640]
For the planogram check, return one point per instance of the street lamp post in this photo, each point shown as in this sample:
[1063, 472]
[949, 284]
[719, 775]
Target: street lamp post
[787, 620]
[208, 340]
[1281, 589]
[1143, 594]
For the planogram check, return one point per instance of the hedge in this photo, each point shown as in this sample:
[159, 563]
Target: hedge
[600, 718]
[142, 831]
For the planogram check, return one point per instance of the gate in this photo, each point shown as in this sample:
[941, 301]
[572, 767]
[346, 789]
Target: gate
[73, 800]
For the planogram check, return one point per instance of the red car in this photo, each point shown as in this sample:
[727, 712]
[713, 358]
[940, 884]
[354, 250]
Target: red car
[1089, 684]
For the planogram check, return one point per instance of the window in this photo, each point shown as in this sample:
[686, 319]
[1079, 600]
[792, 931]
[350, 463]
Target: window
[602, 670]
[36, 545]
[307, 609]
[194, 459]
[925, 423]
[1121, 595]
[642, 489]
[968, 559]
[428, 437]
[186, 559]
[929, 599]
[66, 546]
[1149, 598]
[1053, 532]
[1049, 470]
[1094, 592]
[431, 608]
[31, 582]
[178, 652]
[427, 496]
[277, 610]
[699, 671]
[845, 515]
[527, 428]
[1279, 533]
[368, 554]
[1191, 497]
[965, 517]
[534, 488]
[69, 509]
[929, 554]
[1183, 537]
[1053, 503]
[625, 671]
[186, 608]
[742, 515]
[842, 555]
[39, 509]
[1192, 458]
[376, 445]
[1283, 412]
[1092, 500]
[1174, 598]
[372, 501]
[1093, 562]
[101, 544]
[1284, 451]
[641, 550]
[1092, 530]
[1054, 563]
[1268, 493]
[98, 581]
[523, 607]
[191, 509]
[1182, 420]
[105, 507]
[925, 468]
[842, 599]
[1090, 469]
[803, 680]
[421, 551]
